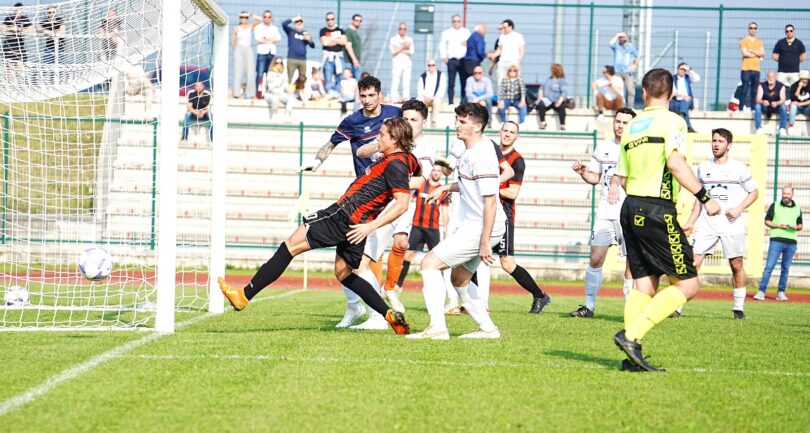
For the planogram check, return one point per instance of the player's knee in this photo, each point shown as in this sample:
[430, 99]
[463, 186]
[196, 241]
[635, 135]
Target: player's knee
[430, 261]
[401, 241]
[508, 264]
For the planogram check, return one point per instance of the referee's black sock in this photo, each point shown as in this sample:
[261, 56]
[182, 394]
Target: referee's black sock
[366, 292]
[269, 272]
[403, 273]
[526, 281]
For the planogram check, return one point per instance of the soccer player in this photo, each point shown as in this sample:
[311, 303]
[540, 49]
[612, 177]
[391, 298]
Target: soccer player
[606, 229]
[651, 168]
[361, 127]
[482, 221]
[509, 191]
[730, 183]
[346, 224]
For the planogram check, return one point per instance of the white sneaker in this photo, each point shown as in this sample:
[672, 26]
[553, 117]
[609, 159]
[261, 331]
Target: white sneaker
[760, 130]
[746, 109]
[396, 304]
[783, 131]
[375, 322]
[479, 334]
[780, 296]
[600, 118]
[352, 314]
[760, 296]
[429, 334]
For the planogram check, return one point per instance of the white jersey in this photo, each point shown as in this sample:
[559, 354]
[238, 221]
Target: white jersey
[478, 175]
[729, 184]
[604, 160]
[425, 152]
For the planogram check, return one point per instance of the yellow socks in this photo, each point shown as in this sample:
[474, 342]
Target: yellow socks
[661, 306]
[634, 305]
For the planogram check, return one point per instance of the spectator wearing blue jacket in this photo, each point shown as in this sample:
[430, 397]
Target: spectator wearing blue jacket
[625, 62]
[682, 98]
[297, 42]
[476, 52]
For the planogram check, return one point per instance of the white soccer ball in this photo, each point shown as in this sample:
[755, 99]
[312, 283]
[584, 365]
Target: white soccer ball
[95, 263]
[17, 296]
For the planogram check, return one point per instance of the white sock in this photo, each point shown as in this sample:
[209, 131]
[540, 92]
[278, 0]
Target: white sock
[351, 298]
[369, 276]
[484, 274]
[680, 309]
[627, 287]
[452, 296]
[433, 291]
[739, 298]
[593, 282]
[476, 309]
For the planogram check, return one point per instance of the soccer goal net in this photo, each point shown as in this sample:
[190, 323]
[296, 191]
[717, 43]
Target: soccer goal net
[91, 104]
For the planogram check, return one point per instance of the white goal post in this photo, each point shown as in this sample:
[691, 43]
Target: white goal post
[91, 111]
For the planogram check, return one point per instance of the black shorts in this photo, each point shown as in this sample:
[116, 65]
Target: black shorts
[506, 247]
[328, 228]
[420, 236]
[656, 244]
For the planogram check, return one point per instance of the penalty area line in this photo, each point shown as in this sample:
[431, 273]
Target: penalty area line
[77, 370]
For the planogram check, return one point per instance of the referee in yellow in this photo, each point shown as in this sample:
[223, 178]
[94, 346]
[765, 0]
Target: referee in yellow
[650, 169]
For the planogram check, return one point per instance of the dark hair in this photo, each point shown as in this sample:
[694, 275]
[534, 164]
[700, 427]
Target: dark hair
[415, 104]
[681, 64]
[508, 22]
[625, 110]
[329, 13]
[18, 5]
[723, 132]
[611, 70]
[400, 131]
[658, 83]
[754, 23]
[355, 16]
[512, 122]
[477, 112]
[786, 27]
[369, 82]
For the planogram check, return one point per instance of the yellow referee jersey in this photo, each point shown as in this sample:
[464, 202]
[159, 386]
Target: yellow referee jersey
[646, 144]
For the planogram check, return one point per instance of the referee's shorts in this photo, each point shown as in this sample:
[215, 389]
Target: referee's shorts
[656, 244]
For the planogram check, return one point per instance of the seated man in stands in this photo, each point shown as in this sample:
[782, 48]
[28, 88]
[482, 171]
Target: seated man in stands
[139, 83]
[199, 109]
[432, 88]
[609, 90]
[682, 99]
[478, 90]
[771, 95]
[800, 97]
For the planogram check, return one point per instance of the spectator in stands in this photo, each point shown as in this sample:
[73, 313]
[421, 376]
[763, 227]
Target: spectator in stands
[266, 35]
[431, 89]
[784, 218]
[243, 59]
[682, 98]
[452, 50]
[789, 52]
[512, 93]
[315, 90]
[770, 99]
[552, 96]
[13, 42]
[353, 50]
[139, 83]
[348, 90]
[493, 57]
[609, 90]
[52, 27]
[402, 49]
[110, 33]
[476, 53]
[752, 53]
[800, 98]
[275, 88]
[333, 40]
[298, 89]
[199, 109]
[625, 63]
[511, 48]
[297, 42]
[479, 90]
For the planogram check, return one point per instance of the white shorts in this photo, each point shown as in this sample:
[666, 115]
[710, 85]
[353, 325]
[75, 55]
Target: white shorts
[461, 248]
[606, 233]
[378, 239]
[705, 242]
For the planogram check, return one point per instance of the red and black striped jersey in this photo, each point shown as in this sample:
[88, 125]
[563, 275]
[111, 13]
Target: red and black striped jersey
[426, 215]
[368, 195]
[515, 160]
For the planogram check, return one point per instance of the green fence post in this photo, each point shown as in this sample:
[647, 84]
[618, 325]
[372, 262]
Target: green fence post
[446, 145]
[593, 187]
[590, 60]
[300, 162]
[719, 56]
[5, 173]
[776, 167]
[154, 182]
[337, 14]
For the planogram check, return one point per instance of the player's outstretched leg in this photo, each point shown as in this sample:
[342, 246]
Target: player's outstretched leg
[266, 275]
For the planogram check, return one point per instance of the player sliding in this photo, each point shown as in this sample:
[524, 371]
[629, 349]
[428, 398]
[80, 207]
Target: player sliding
[346, 224]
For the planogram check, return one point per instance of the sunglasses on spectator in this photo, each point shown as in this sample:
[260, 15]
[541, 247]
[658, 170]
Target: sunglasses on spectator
[789, 31]
[431, 64]
[478, 73]
[330, 19]
[456, 21]
[268, 16]
[752, 28]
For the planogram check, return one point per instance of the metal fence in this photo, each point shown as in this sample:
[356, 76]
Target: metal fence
[575, 35]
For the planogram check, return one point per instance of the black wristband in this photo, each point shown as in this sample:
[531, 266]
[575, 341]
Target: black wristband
[703, 195]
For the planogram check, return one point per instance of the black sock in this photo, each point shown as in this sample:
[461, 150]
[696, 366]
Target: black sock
[269, 272]
[526, 281]
[474, 278]
[403, 273]
[366, 292]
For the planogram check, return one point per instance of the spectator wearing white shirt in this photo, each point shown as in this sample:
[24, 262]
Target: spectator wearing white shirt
[511, 49]
[243, 67]
[266, 35]
[609, 90]
[402, 49]
[275, 88]
[452, 49]
[682, 99]
[431, 88]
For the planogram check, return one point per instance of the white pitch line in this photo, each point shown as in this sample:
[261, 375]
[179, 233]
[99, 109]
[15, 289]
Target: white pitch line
[494, 364]
[71, 373]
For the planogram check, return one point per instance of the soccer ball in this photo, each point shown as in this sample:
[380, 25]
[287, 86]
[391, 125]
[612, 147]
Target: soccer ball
[16, 296]
[95, 263]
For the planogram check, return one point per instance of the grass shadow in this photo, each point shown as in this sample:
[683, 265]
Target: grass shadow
[611, 363]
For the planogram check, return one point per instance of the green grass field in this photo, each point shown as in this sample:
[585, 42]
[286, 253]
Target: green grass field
[281, 366]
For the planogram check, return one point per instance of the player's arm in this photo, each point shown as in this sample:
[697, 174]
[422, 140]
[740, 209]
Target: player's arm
[485, 250]
[320, 157]
[444, 216]
[693, 216]
[588, 176]
[616, 182]
[368, 150]
[416, 182]
[686, 177]
[747, 201]
[359, 232]
[511, 192]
